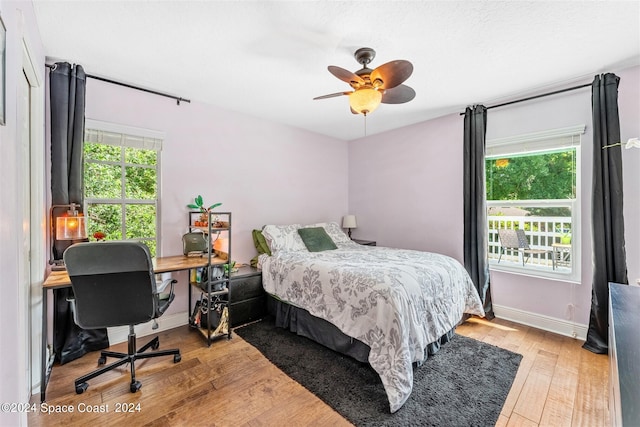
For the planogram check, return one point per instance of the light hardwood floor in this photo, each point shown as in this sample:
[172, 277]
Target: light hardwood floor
[232, 384]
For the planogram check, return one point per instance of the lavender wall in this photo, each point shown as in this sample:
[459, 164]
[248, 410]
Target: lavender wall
[552, 298]
[557, 299]
[261, 171]
[629, 105]
[405, 187]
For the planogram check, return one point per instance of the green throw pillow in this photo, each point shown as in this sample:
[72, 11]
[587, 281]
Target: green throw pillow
[260, 242]
[316, 239]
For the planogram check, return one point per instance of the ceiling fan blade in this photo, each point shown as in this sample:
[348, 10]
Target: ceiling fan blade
[398, 95]
[346, 75]
[332, 95]
[392, 73]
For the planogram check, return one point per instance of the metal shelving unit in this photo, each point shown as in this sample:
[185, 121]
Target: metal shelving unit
[214, 290]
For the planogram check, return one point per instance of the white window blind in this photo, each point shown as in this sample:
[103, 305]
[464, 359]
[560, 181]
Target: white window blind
[123, 136]
[554, 139]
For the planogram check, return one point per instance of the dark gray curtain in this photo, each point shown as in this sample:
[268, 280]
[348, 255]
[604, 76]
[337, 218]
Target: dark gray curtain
[67, 86]
[609, 258]
[67, 101]
[476, 260]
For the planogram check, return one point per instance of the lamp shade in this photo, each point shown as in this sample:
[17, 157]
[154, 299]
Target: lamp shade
[349, 221]
[71, 228]
[221, 245]
[65, 227]
[365, 100]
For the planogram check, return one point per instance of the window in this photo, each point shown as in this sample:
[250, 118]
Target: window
[533, 184]
[121, 169]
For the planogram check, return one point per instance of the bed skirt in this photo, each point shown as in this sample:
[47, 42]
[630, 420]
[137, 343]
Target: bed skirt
[301, 322]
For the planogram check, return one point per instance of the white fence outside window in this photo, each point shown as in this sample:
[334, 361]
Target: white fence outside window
[542, 233]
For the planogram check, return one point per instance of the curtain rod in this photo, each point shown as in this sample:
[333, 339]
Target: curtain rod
[537, 96]
[177, 98]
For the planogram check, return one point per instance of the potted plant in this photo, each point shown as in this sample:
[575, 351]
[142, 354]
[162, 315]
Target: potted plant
[204, 212]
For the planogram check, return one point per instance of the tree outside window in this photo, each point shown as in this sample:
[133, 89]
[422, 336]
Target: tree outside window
[121, 188]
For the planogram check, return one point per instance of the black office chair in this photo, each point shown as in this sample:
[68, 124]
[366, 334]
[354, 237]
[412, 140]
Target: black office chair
[114, 285]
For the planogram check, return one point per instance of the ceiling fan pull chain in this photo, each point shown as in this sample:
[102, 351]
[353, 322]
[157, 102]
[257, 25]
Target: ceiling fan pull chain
[365, 125]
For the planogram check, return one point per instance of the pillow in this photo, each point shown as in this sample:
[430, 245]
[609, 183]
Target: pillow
[316, 239]
[260, 242]
[283, 238]
[334, 231]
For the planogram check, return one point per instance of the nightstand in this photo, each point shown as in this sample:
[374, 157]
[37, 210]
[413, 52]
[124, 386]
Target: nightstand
[247, 299]
[365, 242]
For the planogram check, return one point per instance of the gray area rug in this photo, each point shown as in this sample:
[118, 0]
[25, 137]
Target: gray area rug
[463, 384]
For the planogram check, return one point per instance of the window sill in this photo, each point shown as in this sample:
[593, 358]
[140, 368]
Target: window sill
[536, 273]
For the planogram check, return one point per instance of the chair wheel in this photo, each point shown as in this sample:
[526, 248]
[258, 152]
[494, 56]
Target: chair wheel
[155, 345]
[176, 358]
[102, 360]
[135, 386]
[80, 388]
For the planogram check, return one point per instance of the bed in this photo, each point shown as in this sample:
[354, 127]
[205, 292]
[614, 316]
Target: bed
[392, 307]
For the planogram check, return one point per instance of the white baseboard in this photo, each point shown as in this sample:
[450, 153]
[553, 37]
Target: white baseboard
[539, 321]
[168, 321]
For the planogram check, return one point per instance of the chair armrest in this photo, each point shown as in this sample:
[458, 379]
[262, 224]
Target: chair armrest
[165, 298]
[71, 299]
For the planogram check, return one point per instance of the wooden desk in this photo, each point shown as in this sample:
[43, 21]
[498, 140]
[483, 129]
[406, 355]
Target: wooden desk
[60, 280]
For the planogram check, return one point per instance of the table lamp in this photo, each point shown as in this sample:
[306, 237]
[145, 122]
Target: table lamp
[349, 222]
[221, 247]
[69, 226]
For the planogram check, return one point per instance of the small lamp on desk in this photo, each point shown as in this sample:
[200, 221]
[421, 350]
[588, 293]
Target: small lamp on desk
[69, 226]
[349, 222]
[221, 247]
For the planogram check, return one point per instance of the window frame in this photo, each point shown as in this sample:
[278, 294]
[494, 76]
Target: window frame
[541, 142]
[131, 137]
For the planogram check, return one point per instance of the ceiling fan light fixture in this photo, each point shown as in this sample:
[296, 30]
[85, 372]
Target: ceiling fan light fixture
[384, 84]
[365, 100]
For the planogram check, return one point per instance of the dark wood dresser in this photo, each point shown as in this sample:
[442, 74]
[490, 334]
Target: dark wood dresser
[624, 354]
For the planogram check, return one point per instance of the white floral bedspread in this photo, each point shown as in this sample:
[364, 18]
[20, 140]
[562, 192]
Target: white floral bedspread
[396, 301]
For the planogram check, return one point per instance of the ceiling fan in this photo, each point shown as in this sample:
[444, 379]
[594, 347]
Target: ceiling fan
[372, 87]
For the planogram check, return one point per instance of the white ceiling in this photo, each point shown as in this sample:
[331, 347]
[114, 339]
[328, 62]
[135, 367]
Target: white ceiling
[269, 59]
